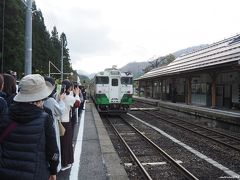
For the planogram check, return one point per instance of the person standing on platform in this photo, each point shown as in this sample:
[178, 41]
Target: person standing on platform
[82, 98]
[66, 140]
[3, 103]
[9, 88]
[75, 111]
[27, 137]
[57, 107]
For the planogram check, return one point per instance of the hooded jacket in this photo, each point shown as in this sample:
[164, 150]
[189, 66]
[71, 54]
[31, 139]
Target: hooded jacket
[30, 151]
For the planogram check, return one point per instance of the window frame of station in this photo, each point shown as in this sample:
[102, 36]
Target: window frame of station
[230, 83]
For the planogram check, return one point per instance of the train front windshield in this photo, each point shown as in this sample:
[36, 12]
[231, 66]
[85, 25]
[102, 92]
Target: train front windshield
[126, 80]
[102, 80]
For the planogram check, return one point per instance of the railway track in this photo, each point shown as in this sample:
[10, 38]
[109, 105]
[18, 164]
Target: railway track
[225, 139]
[144, 151]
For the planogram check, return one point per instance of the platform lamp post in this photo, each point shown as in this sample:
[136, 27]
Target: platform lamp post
[61, 59]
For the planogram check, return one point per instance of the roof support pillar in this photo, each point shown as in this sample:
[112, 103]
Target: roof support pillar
[189, 90]
[213, 90]
[139, 87]
[152, 89]
[161, 88]
[174, 91]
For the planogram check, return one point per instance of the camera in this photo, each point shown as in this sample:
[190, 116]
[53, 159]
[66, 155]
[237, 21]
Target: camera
[63, 89]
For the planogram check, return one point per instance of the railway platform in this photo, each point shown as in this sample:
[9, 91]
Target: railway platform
[190, 111]
[94, 154]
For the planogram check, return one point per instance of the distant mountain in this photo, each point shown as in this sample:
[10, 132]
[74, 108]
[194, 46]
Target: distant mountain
[85, 76]
[136, 68]
[83, 79]
[91, 76]
[81, 72]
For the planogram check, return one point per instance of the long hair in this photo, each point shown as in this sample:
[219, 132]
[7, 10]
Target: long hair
[1, 82]
[52, 81]
[9, 84]
[68, 85]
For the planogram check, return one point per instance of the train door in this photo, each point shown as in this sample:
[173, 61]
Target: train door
[114, 90]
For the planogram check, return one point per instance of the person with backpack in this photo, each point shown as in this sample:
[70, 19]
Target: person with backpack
[28, 146]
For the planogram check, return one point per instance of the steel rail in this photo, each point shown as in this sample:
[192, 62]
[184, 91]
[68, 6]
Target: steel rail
[185, 172]
[206, 128]
[198, 133]
[200, 126]
[131, 152]
[218, 132]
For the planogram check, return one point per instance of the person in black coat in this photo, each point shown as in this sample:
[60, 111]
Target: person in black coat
[3, 106]
[29, 151]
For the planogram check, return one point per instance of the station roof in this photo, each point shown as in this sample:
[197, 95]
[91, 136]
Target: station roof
[219, 53]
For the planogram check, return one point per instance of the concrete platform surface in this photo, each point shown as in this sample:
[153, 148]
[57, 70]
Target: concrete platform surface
[224, 115]
[94, 155]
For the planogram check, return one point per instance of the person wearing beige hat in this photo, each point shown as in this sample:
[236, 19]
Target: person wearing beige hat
[29, 149]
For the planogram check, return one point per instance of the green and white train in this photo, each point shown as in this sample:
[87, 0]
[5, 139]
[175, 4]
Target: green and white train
[112, 90]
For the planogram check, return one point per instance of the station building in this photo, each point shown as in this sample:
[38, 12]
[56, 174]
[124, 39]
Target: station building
[209, 77]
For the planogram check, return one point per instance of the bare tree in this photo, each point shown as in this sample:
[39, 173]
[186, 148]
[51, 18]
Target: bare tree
[160, 61]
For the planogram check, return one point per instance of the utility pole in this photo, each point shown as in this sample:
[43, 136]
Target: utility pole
[3, 31]
[62, 60]
[28, 39]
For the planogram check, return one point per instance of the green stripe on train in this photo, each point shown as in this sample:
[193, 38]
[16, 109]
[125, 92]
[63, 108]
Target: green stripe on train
[127, 99]
[101, 99]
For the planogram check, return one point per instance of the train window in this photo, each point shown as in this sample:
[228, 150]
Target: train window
[114, 82]
[102, 80]
[126, 80]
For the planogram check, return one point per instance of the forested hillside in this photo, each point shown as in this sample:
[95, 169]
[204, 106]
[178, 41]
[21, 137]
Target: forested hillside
[45, 46]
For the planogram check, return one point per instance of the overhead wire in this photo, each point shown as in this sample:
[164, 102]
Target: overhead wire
[3, 33]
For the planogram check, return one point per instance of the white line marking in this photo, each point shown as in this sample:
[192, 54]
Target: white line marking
[127, 133]
[197, 153]
[78, 149]
[153, 163]
[135, 109]
[159, 163]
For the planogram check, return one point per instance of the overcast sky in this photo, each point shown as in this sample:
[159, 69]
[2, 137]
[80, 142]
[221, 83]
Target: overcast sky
[102, 33]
